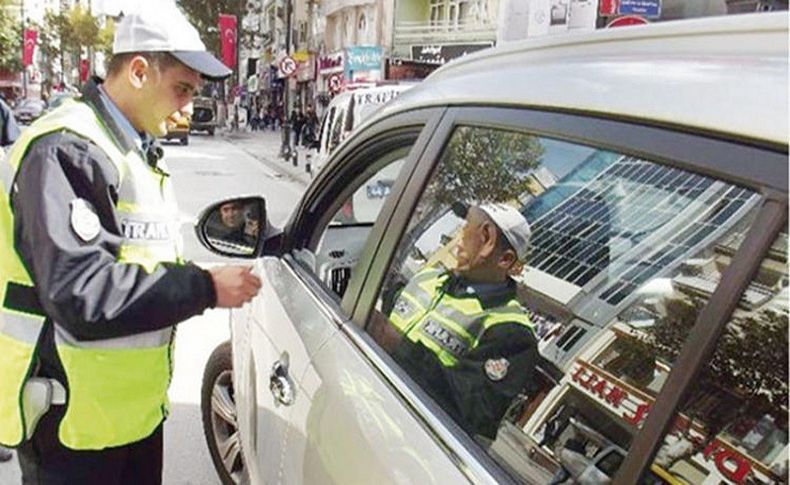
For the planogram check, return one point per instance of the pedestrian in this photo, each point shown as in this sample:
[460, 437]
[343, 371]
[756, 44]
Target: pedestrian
[462, 334]
[9, 130]
[94, 282]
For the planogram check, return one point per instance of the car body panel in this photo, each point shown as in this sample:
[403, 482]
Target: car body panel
[686, 66]
[284, 323]
[351, 415]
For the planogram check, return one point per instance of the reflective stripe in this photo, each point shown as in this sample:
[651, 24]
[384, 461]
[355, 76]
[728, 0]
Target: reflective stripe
[21, 327]
[156, 338]
[7, 175]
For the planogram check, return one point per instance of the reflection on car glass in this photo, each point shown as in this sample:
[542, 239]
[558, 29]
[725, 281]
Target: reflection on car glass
[605, 226]
[624, 254]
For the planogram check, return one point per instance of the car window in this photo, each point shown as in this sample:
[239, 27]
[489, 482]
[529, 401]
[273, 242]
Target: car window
[523, 344]
[356, 204]
[733, 425]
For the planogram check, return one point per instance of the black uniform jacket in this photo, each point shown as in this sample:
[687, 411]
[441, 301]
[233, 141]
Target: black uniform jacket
[81, 285]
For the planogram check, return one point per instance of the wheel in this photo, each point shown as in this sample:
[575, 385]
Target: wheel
[218, 409]
[211, 132]
[185, 140]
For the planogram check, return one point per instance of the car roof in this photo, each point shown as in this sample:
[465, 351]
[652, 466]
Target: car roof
[724, 74]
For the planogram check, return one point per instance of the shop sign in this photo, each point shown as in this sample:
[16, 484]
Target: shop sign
[727, 461]
[630, 407]
[645, 8]
[363, 58]
[331, 62]
[439, 54]
[306, 69]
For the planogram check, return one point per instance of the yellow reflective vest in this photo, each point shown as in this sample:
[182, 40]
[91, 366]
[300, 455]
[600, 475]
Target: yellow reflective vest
[117, 388]
[447, 325]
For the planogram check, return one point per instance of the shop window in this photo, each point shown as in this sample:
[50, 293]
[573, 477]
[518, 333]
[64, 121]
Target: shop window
[623, 254]
[733, 426]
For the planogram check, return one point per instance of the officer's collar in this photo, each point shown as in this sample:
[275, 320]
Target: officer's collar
[489, 294]
[104, 106]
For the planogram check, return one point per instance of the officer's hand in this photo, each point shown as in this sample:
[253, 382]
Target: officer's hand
[235, 285]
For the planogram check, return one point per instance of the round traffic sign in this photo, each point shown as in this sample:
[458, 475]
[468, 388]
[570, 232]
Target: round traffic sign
[335, 82]
[288, 65]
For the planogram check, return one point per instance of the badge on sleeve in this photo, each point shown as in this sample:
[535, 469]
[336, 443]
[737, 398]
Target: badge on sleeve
[496, 369]
[84, 221]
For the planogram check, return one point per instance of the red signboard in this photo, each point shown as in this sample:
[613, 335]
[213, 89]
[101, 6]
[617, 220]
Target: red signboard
[227, 33]
[30, 37]
[633, 407]
[627, 20]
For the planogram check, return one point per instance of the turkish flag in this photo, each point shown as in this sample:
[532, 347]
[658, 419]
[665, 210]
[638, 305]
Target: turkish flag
[85, 70]
[30, 37]
[607, 8]
[227, 37]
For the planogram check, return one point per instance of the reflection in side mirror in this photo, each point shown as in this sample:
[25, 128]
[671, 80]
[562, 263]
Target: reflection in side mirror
[234, 227]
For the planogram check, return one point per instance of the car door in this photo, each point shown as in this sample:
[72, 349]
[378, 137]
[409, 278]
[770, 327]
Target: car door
[640, 237]
[303, 300]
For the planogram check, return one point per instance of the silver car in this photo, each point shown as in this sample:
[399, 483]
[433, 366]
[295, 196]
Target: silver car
[651, 163]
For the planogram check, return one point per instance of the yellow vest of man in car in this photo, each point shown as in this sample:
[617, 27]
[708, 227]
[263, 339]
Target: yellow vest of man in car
[117, 389]
[447, 325]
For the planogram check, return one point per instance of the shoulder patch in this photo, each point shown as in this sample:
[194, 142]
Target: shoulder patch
[84, 221]
[496, 369]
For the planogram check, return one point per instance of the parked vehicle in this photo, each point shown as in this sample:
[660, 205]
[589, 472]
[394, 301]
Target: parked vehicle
[652, 165]
[345, 113]
[204, 115]
[28, 110]
[180, 131]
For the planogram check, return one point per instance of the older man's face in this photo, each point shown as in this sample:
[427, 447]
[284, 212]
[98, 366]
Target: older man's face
[470, 252]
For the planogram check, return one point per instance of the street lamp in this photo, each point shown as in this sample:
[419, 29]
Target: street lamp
[285, 149]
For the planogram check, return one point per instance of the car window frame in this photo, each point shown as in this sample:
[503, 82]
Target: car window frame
[693, 150]
[301, 228]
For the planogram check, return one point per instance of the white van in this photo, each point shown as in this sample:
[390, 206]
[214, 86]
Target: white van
[345, 112]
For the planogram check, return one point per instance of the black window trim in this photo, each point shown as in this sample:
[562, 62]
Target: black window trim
[300, 229]
[730, 161]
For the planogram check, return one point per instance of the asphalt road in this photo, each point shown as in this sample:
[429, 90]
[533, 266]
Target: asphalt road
[206, 171]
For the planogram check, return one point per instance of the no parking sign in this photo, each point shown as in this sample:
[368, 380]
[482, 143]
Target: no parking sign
[287, 66]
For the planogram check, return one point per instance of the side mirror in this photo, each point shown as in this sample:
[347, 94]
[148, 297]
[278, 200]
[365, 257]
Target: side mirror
[234, 227]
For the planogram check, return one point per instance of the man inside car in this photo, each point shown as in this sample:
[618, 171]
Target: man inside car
[462, 334]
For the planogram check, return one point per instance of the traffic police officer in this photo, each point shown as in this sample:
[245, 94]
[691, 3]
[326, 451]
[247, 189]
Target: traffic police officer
[92, 281]
[463, 335]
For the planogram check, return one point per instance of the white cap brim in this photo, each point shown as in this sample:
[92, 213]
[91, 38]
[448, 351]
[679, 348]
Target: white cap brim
[203, 62]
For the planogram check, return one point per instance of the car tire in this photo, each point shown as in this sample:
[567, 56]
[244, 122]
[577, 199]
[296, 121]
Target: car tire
[211, 132]
[218, 409]
[185, 140]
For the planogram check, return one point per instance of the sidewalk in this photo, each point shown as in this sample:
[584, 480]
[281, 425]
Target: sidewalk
[265, 147]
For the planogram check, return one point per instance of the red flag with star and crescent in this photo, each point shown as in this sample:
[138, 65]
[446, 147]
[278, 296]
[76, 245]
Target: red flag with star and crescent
[30, 37]
[227, 35]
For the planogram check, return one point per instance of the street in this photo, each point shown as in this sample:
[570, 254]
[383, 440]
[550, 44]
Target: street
[208, 170]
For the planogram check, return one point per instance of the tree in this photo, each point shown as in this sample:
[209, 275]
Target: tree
[479, 165]
[10, 39]
[485, 165]
[746, 375]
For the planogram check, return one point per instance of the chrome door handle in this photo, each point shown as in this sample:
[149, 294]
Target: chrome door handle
[280, 384]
